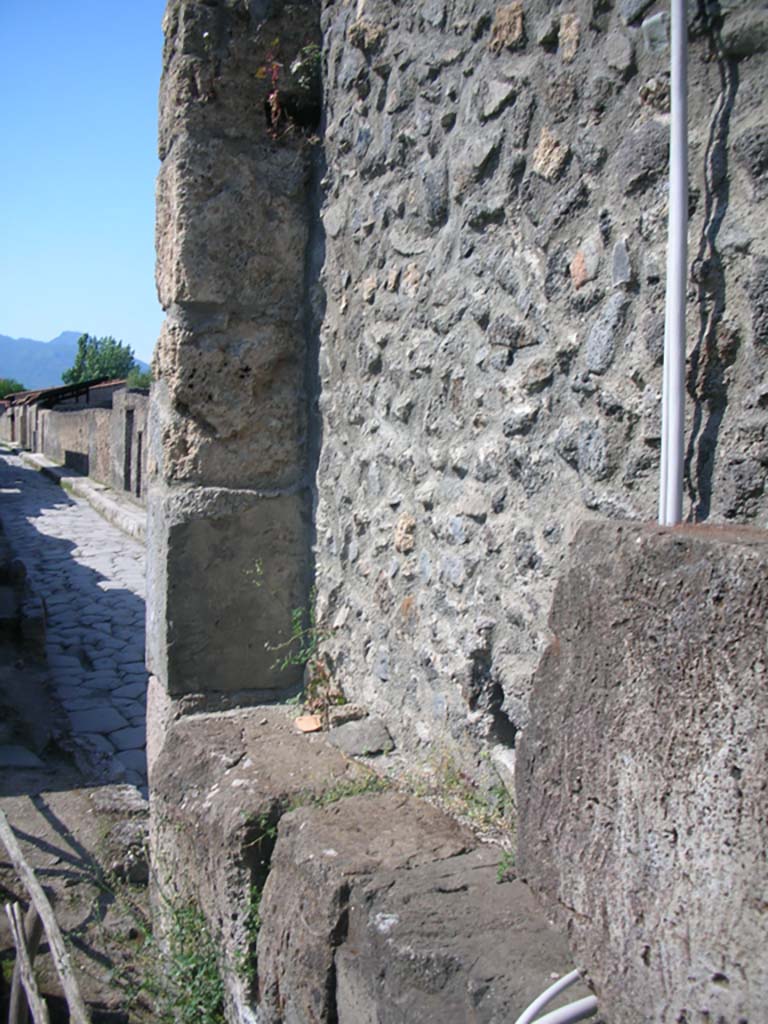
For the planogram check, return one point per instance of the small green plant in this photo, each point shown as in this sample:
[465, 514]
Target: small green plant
[505, 870]
[195, 992]
[370, 783]
[303, 649]
[254, 573]
[305, 68]
[303, 645]
[246, 959]
[177, 980]
[263, 839]
[486, 809]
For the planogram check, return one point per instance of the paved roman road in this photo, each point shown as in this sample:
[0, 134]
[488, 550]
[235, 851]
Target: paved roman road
[92, 579]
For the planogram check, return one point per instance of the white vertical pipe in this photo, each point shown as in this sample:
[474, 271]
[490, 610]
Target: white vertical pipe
[664, 421]
[673, 406]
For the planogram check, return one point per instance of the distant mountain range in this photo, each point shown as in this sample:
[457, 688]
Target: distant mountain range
[40, 364]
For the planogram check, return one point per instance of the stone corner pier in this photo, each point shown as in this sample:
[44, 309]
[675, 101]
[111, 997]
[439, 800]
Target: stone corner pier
[229, 497]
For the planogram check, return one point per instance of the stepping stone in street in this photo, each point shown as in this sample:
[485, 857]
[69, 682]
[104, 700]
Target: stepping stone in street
[67, 677]
[129, 739]
[130, 708]
[71, 690]
[135, 760]
[64, 661]
[137, 779]
[97, 742]
[104, 720]
[133, 666]
[108, 643]
[103, 662]
[82, 703]
[131, 690]
[103, 680]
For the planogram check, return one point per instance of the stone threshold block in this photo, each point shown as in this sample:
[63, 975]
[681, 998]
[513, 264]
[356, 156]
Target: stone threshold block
[375, 906]
[219, 782]
[379, 909]
[641, 780]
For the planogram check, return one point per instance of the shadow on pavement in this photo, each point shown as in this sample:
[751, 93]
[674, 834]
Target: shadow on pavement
[95, 648]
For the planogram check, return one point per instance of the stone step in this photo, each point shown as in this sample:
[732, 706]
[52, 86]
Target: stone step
[380, 908]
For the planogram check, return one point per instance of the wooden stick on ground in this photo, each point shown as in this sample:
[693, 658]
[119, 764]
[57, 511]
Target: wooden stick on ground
[77, 1011]
[24, 961]
[33, 930]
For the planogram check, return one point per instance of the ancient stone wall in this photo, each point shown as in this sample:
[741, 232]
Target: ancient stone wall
[229, 498]
[641, 780]
[496, 201]
[76, 438]
[128, 443]
[488, 374]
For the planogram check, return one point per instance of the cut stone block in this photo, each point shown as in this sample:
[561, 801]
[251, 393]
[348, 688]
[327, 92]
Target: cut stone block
[381, 908]
[250, 555]
[641, 778]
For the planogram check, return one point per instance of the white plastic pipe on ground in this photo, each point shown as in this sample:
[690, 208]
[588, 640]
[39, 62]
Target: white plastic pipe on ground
[579, 1010]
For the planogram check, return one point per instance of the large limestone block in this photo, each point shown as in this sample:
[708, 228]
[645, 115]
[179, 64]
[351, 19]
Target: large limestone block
[226, 571]
[230, 403]
[641, 781]
[381, 909]
[231, 226]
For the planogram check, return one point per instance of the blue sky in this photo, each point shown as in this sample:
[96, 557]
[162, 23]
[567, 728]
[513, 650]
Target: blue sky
[78, 160]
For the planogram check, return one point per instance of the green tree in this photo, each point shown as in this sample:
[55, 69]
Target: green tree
[99, 357]
[139, 378]
[8, 385]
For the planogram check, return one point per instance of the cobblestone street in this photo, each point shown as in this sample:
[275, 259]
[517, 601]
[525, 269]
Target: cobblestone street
[92, 579]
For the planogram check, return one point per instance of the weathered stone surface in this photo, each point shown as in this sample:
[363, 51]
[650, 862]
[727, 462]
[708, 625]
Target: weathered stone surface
[758, 293]
[549, 156]
[481, 946]
[640, 778]
[226, 236]
[360, 738]
[745, 32]
[751, 149]
[238, 263]
[373, 911]
[568, 36]
[508, 29]
[498, 95]
[642, 157]
[229, 568]
[603, 339]
[632, 9]
[319, 852]
[219, 783]
[618, 52]
[585, 264]
[621, 270]
[230, 404]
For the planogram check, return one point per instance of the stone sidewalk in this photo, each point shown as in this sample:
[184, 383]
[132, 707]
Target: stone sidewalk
[91, 576]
